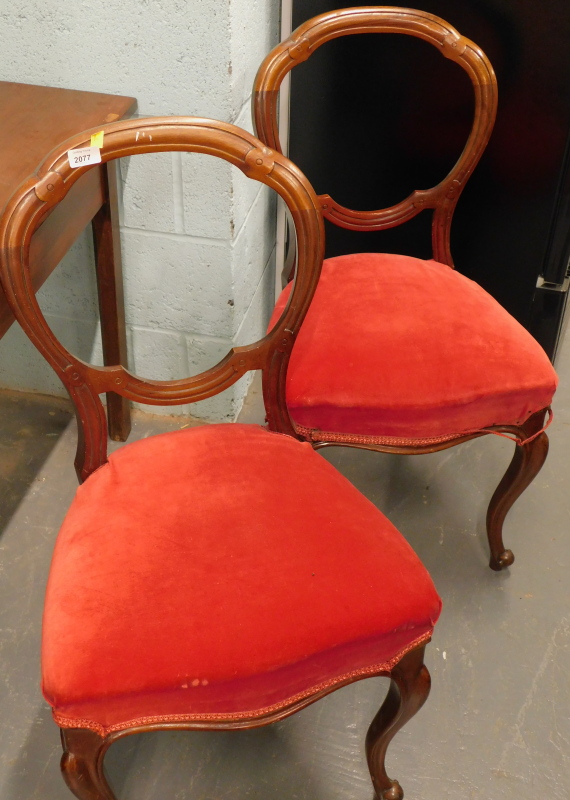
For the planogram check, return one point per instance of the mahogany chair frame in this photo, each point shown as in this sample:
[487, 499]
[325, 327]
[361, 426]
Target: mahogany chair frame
[85, 748]
[531, 440]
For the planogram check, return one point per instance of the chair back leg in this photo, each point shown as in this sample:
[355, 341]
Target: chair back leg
[409, 689]
[525, 466]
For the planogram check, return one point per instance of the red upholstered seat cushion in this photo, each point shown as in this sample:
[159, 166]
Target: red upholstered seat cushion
[398, 347]
[221, 570]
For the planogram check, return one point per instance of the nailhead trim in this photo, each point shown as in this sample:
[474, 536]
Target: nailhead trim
[386, 667]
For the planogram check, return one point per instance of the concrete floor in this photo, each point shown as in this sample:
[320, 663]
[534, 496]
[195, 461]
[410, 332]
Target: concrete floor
[496, 724]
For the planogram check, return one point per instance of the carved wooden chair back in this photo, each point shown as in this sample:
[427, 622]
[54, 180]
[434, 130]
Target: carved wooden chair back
[39, 194]
[319, 30]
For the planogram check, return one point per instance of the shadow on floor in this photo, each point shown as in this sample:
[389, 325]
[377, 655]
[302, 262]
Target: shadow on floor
[30, 427]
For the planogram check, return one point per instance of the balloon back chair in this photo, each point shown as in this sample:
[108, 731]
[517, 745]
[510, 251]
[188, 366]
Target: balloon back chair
[399, 354]
[219, 577]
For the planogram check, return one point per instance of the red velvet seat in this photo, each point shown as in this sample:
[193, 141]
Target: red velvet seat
[166, 584]
[394, 347]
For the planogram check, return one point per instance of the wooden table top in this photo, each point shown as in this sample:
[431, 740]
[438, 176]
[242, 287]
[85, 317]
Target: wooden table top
[35, 119]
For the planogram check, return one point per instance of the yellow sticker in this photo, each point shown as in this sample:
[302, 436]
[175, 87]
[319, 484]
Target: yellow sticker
[97, 139]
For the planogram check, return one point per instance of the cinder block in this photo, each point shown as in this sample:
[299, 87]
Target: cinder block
[173, 282]
[173, 55]
[252, 250]
[158, 355]
[71, 290]
[244, 189]
[204, 353]
[161, 356]
[148, 200]
[207, 196]
[248, 51]
[243, 118]
[245, 192]
[256, 319]
[225, 406]
[217, 197]
[254, 325]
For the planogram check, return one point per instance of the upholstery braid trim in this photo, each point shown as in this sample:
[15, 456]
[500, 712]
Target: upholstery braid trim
[316, 435]
[376, 669]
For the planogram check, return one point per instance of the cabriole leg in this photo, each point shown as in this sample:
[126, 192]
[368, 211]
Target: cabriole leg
[82, 764]
[409, 689]
[525, 466]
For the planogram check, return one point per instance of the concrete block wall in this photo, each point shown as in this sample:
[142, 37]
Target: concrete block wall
[197, 236]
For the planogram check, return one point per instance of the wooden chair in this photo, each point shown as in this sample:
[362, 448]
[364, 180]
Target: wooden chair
[398, 354]
[220, 577]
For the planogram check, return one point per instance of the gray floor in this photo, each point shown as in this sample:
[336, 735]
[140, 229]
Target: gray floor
[496, 724]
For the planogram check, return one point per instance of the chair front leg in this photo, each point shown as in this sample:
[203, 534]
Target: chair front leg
[525, 466]
[409, 689]
[82, 764]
